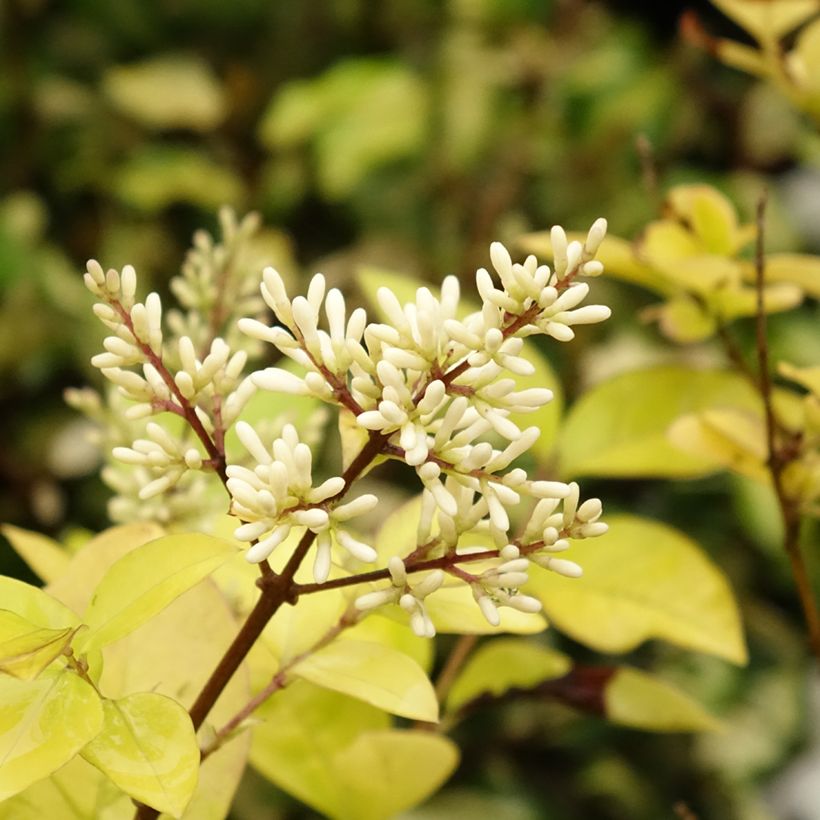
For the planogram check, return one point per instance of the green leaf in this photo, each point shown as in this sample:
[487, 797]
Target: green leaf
[643, 580]
[157, 176]
[390, 771]
[35, 605]
[80, 577]
[619, 428]
[502, 664]
[167, 92]
[709, 215]
[27, 649]
[638, 699]
[148, 747]
[301, 742]
[43, 724]
[43, 555]
[375, 673]
[147, 579]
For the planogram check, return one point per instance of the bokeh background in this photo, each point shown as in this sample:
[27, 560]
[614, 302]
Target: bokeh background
[405, 136]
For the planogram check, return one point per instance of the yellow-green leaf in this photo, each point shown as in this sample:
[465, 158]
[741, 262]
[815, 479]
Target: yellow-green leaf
[682, 319]
[502, 664]
[35, 605]
[768, 20]
[374, 673]
[378, 628]
[43, 724]
[617, 256]
[167, 92]
[390, 771]
[76, 791]
[44, 555]
[709, 214]
[619, 428]
[643, 580]
[148, 747]
[79, 578]
[202, 627]
[642, 701]
[27, 649]
[147, 579]
[800, 269]
[732, 439]
[300, 744]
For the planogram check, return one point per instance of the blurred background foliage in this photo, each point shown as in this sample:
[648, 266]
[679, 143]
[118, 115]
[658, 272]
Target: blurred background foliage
[403, 137]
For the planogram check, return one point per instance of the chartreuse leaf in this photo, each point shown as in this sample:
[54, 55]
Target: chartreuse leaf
[387, 772]
[298, 746]
[546, 418]
[733, 439]
[43, 724]
[643, 580]
[768, 21]
[202, 627]
[619, 428]
[709, 215]
[81, 575]
[638, 699]
[384, 630]
[27, 649]
[147, 579]
[34, 605]
[375, 673]
[148, 747]
[502, 664]
[617, 256]
[43, 555]
[295, 629]
[77, 791]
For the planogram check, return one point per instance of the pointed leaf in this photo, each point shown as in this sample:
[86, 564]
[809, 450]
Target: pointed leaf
[34, 605]
[146, 580]
[148, 747]
[86, 568]
[374, 673]
[390, 771]
[619, 427]
[638, 699]
[43, 555]
[27, 649]
[643, 580]
[43, 724]
[709, 214]
[502, 664]
[800, 269]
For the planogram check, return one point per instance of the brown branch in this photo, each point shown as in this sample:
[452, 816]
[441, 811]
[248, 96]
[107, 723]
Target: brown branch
[778, 458]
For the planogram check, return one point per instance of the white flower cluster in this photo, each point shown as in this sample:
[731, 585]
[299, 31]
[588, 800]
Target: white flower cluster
[278, 495]
[427, 386]
[433, 387]
[410, 598]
